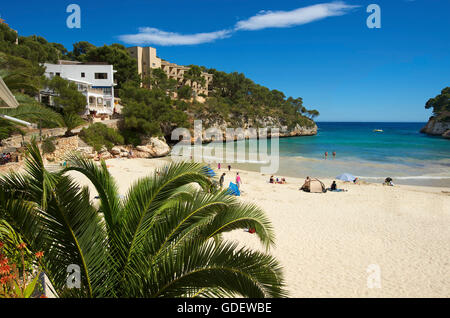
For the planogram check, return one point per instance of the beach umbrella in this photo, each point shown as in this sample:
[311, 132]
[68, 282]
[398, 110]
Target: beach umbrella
[209, 172]
[346, 177]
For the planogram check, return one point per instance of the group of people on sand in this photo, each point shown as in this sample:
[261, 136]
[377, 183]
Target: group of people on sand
[333, 153]
[219, 166]
[274, 180]
[238, 180]
[5, 158]
[307, 186]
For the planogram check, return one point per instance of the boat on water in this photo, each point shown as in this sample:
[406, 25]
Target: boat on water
[378, 130]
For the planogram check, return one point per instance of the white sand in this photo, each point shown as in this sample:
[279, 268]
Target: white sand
[326, 242]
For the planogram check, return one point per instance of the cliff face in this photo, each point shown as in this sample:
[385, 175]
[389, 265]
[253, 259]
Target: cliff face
[438, 126]
[211, 129]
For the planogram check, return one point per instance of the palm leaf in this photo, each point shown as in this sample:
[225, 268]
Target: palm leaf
[163, 240]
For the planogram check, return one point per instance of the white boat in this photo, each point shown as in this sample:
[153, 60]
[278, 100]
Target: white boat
[378, 130]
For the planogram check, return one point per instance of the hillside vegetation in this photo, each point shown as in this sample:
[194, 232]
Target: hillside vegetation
[234, 100]
[439, 123]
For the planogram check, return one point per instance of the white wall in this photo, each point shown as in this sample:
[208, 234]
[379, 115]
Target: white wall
[74, 72]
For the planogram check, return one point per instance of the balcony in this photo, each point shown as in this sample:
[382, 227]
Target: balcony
[98, 91]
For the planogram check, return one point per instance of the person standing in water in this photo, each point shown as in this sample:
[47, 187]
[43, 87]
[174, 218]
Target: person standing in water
[326, 155]
[238, 180]
[334, 154]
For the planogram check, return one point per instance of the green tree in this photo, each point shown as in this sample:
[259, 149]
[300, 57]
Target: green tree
[164, 239]
[99, 135]
[244, 101]
[194, 74]
[440, 103]
[81, 48]
[185, 92]
[147, 112]
[33, 48]
[21, 75]
[313, 113]
[48, 145]
[69, 99]
[71, 121]
[158, 80]
[118, 56]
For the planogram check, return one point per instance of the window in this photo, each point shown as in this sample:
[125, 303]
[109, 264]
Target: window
[83, 75]
[101, 75]
[107, 91]
[58, 74]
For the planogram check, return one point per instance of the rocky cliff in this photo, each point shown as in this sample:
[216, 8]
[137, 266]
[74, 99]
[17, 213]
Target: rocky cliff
[249, 130]
[438, 126]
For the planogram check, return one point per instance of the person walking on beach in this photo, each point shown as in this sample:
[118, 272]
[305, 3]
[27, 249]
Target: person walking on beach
[238, 180]
[219, 166]
[222, 180]
[229, 167]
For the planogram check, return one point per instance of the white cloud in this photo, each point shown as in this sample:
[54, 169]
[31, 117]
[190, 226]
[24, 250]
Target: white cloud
[163, 38]
[284, 19]
[263, 20]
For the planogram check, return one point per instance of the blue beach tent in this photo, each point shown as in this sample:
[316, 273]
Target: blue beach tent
[233, 190]
[209, 172]
[346, 177]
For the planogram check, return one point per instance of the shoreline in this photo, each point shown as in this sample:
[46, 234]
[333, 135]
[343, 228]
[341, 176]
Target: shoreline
[428, 181]
[425, 181]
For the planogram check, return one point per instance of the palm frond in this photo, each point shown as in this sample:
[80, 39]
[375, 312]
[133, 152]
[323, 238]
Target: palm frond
[163, 240]
[208, 269]
[143, 206]
[33, 113]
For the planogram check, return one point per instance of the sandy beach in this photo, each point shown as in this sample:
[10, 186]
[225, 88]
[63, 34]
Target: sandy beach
[328, 243]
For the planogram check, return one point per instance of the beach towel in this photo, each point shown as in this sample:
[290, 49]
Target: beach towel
[233, 190]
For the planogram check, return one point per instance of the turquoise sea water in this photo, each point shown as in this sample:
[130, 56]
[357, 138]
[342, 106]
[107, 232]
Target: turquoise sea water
[400, 152]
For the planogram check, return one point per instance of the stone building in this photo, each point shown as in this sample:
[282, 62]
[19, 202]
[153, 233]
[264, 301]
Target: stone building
[147, 60]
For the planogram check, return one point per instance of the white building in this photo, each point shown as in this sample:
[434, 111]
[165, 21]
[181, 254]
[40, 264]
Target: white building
[94, 80]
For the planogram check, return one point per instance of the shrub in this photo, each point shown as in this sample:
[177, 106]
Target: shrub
[48, 146]
[131, 137]
[99, 135]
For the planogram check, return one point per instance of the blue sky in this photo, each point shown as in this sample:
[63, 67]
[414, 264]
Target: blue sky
[319, 50]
